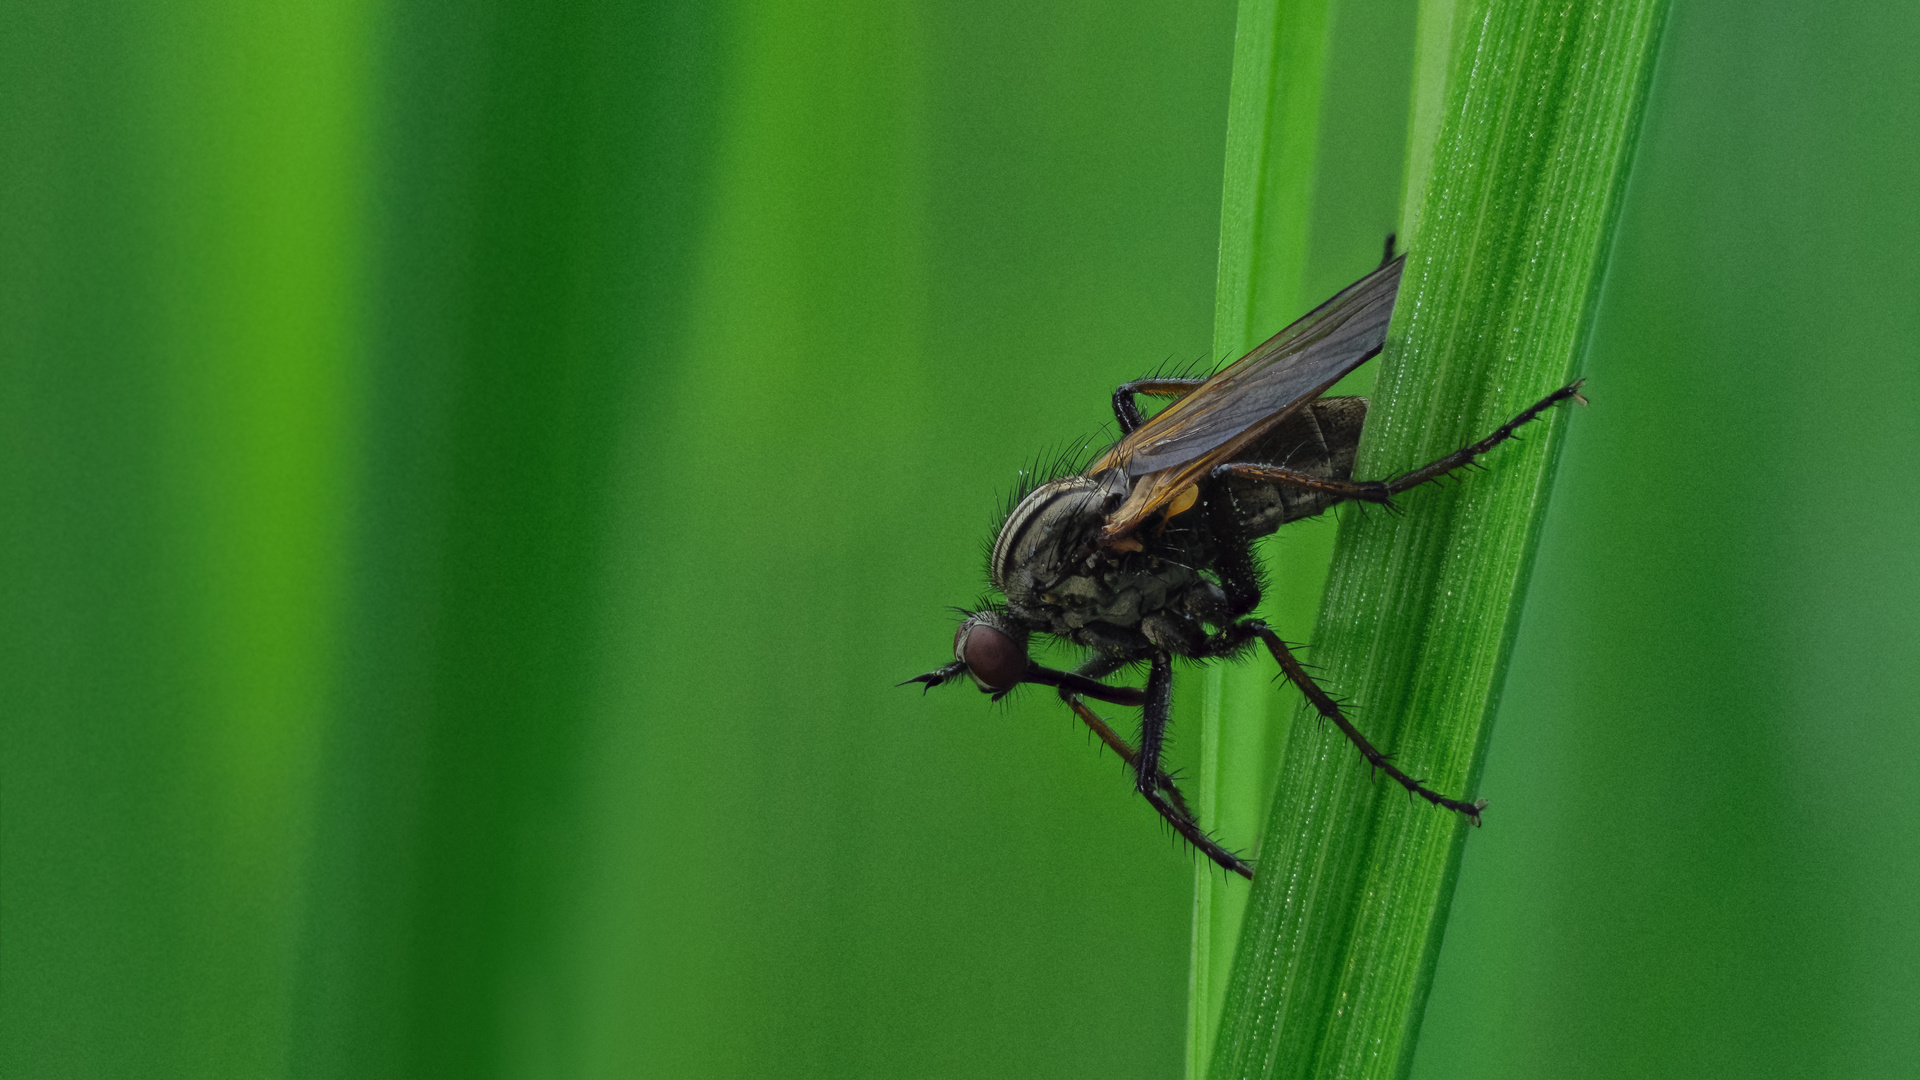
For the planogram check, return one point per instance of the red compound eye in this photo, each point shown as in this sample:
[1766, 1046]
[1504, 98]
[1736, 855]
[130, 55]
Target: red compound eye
[994, 658]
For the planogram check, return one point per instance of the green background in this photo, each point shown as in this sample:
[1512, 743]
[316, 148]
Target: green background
[473, 472]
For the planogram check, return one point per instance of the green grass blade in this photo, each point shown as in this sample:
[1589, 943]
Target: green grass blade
[1344, 924]
[1273, 118]
[1316, 131]
[1273, 114]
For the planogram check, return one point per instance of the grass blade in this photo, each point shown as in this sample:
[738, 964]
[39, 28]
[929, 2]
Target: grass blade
[1316, 139]
[1344, 923]
[1273, 116]
[1316, 132]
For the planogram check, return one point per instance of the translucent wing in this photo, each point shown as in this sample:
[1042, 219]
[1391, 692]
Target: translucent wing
[1179, 446]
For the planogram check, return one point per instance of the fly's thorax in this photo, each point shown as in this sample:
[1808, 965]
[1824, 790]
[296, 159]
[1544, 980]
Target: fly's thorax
[1037, 546]
[1106, 603]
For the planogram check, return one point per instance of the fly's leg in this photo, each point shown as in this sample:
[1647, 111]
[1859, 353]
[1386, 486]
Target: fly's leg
[1193, 834]
[1239, 574]
[1328, 708]
[1152, 782]
[1153, 720]
[1100, 667]
[1128, 412]
[1162, 794]
[1096, 724]
[1072, 691]
[1374, 491]
[1153, 728]
[1383, 491]
[1465, 455]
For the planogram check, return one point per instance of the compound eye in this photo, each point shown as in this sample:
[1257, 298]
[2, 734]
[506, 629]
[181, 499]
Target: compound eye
[996, 660]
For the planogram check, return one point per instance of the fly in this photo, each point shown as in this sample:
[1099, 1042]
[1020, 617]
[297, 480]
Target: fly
[1147, 554]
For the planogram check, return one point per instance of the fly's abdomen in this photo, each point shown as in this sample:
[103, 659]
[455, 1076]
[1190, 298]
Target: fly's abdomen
[1320, 440]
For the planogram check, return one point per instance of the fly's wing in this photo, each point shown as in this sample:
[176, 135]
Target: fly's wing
[1183, 442]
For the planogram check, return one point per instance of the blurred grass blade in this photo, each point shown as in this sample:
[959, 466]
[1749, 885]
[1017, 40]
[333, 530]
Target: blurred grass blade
[1273, 113]
[1315, 136]
[1343, 926]
[1273, 119]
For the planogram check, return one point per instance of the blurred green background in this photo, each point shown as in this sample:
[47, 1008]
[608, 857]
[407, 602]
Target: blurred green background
[472, 474]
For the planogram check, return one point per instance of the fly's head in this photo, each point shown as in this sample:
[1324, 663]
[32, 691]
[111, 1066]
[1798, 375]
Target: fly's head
[1057, 578]
[1047, 536]
[993, 652]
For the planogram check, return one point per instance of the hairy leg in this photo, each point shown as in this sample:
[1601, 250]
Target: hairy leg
[1162, 793]
[1128, 412]
[1383, 491]
[1236, 637]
